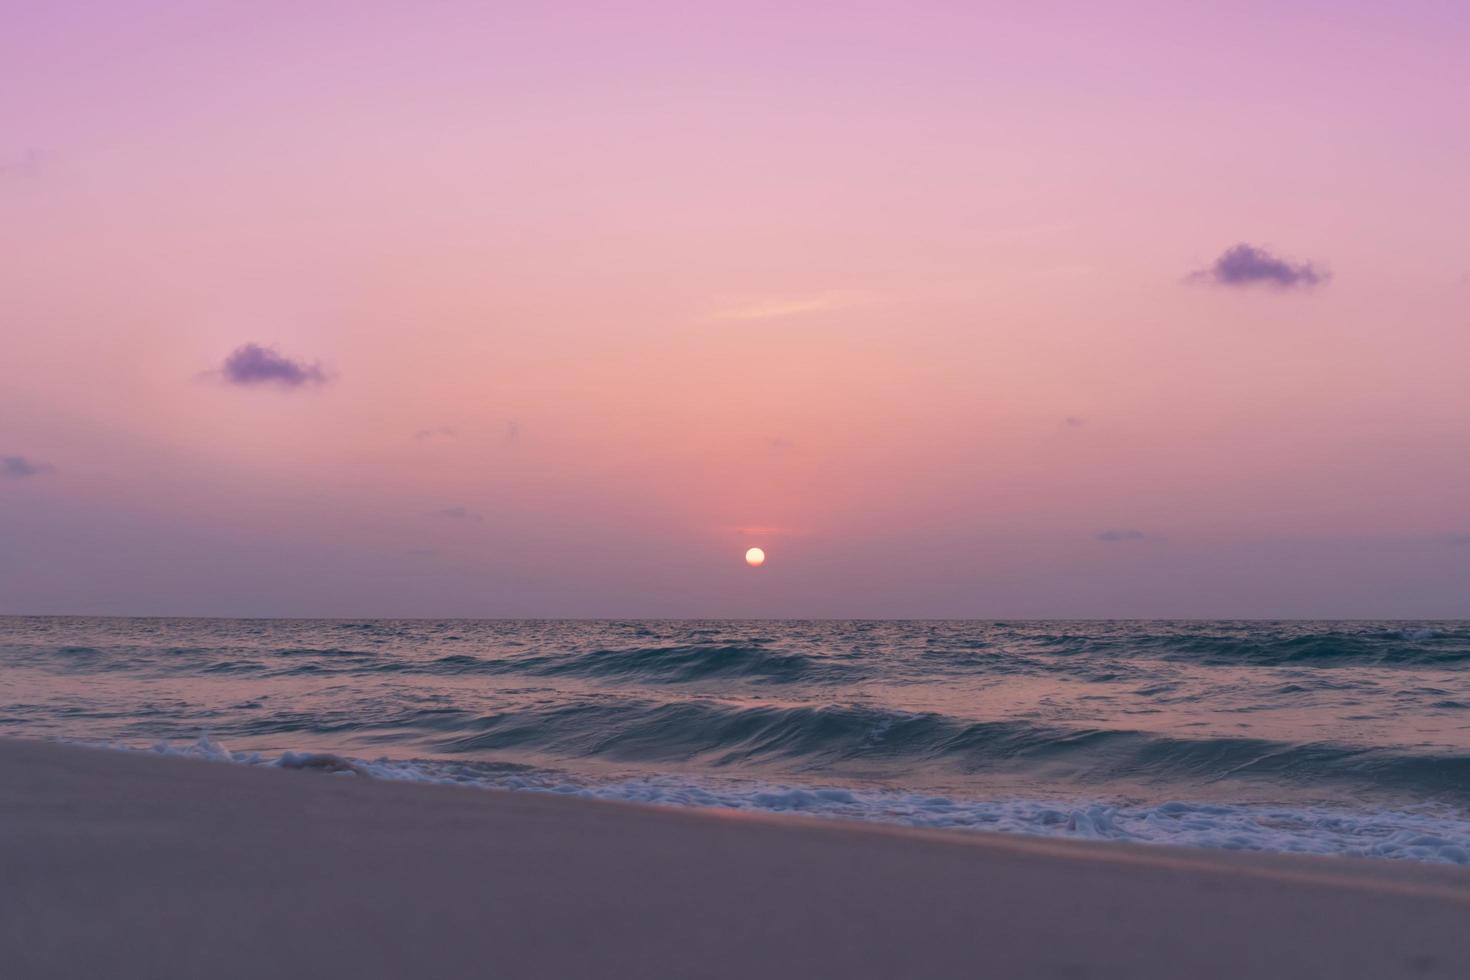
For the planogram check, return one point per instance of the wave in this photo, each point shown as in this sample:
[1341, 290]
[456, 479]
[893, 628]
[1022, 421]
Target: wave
[1091, 655]
[673, 664]
[1285, 711]
[700, 661]
[1381, 648]
[721, 734]
[1421, 834]
[680, 663]
[854, 738]
[1257, 644]
[682, 654]
[1091, 652]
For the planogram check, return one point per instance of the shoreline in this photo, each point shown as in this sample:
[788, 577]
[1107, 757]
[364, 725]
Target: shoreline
[132, 864]
[1427, 833]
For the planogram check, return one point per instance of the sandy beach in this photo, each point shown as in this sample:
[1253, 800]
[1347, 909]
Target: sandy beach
[133, 865]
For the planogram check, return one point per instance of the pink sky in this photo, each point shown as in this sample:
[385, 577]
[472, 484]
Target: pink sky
[605, 294]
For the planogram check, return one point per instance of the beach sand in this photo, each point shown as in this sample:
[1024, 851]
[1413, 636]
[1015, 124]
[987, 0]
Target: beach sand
[123, 865]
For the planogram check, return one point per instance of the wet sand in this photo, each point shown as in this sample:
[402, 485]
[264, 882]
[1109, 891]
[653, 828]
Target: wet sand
[122, 865]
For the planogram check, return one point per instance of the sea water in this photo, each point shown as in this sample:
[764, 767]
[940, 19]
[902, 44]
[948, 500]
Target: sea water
[1320, 737]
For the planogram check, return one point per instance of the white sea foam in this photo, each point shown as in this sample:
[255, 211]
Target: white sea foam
[1420, 834]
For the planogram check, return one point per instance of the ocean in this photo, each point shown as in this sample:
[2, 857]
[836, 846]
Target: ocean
[1314, 737]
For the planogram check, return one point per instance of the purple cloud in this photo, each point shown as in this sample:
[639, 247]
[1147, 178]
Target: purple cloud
[28, 164]
[1121, 535]
[1246, 265]
[253, 364]
[18, 467]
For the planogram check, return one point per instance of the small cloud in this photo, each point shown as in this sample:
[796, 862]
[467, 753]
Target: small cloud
[1246, 265]
[1458, 540]
[778, 443]
[455, 514]
[1073, 422]
[253, 364]
[1121, 534]
[512, 432]
[18, 468]
[438, 432]
[26, 165]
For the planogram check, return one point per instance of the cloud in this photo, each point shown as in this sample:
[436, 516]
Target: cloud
[456, 514]
[1073, 422]
[762, 531]
[26, 165]
[438, 432]
[512, 432]
[779, 443]
[253, 364]
[771, 309]
[1458, 540]
[1121, 534]
[1246, 265]
[18, 467]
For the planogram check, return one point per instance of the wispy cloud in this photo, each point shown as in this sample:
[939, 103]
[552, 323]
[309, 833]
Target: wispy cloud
[763, 531]
[778, 443]
[252, 365]
[437, 432]
[773, 308]
[1247, 265]
[1458, 540]
[19, 468]
[1121, 534]
[455, 514]
[1073, 422]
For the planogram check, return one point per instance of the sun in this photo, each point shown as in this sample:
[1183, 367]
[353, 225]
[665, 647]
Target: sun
[755, 558]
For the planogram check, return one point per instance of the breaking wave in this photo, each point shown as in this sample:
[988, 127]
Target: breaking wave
[1421, 834]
